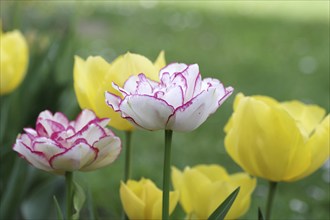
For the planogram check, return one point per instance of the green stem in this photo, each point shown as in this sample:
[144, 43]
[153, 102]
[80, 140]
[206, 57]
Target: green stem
[166, 174]
[270, 199]
[128, 135]
[127, 172]
[69, 194]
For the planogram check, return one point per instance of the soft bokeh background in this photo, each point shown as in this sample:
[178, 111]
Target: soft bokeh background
[273, 48]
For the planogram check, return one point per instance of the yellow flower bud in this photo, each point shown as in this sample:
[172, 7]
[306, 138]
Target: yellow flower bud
[204, 187]
[13, 60]
[143, 200]
[95, 76]
[277, 141]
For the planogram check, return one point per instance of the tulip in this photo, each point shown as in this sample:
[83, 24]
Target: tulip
[13, 60]
[94, 76]
[179, 101]
[143, 200]
[277, 141]
[204, 187]
[58, 146]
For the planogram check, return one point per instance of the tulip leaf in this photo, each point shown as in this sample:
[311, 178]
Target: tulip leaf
[58, 209]
[260, 215]
[223, 208]
[79, 198]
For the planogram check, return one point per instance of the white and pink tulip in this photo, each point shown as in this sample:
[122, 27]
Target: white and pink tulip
[58, 145]
[180, 101]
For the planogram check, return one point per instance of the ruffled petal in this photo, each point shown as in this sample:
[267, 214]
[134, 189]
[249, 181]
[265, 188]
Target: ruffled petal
[37, 159]
[85, 117]
[75, 158]
[172, 69]
[193, 113]
[47, 146]
[109, 149]
[112, 100]
[146, 112]
[91, 133]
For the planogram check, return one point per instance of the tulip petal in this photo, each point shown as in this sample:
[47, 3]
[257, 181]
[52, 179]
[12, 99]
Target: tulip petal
[213, 172]
[133, 205]
[37, 159]
[74, 158]
[14, 60]
[318, 144]
[47, 146]
[130, 64]
[193, 113]
[146, 112]
[109, 149]
[243, 200]
[160, 61]
[85, 118]
[265, 141]
[179, 185]
[308, 116]
[172, 69]
[194, 81]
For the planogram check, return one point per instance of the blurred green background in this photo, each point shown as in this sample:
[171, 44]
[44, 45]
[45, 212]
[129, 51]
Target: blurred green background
[273, 48]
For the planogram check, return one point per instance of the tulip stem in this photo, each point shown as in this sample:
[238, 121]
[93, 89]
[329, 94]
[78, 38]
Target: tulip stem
[166, 174]
[69, 194]
[127, 174]
[270, 198]
[128, 135]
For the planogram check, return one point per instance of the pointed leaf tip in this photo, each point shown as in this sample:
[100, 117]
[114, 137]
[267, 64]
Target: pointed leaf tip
[223, 208]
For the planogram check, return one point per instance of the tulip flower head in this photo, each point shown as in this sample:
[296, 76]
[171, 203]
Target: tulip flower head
[57, 145]
[143, 200]
[95, 75]
[204, 187]
[13, 60]
[179, 101]
[277, 141]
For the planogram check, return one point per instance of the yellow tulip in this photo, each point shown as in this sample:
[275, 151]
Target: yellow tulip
[13, 60]
[204, 187]
[277, 141]
[143, 200]
[95, 76]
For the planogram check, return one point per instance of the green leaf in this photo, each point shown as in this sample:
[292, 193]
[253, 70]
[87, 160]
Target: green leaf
[58, 209]
[260, 215]
[223, 208]
[79, 198]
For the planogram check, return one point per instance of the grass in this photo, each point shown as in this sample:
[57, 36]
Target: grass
[269, 55]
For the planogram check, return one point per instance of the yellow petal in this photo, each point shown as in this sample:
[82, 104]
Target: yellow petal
[307, 116]
[152, 198]
[133, 205]
[130, 64]
[179, 185]
[157, 208]
[160, 61]
[243, 199]
[199, 191]
[213, 172]
[81, 83]
[13, 60]
[265, 141]
[318, 144]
